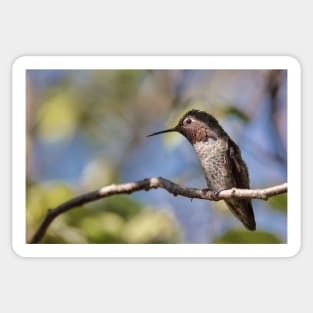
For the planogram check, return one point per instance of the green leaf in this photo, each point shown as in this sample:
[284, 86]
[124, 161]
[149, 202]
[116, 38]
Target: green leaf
[152, 227]
[235, 236]
[105, 228]
[40, 198]
[234, 111]
[46, 196]
[58, 117]
[122, 205]
[278, 202]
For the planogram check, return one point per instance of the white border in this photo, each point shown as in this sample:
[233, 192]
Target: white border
[155, 62]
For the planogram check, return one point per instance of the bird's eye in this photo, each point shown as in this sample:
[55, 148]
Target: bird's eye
[188, 121]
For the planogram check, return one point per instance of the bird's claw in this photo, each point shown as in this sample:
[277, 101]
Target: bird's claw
[216, 193]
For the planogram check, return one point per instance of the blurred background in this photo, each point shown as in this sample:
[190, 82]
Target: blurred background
[87, 129]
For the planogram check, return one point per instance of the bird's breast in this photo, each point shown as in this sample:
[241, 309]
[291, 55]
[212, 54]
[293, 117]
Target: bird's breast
[210, 149]
[212, 154]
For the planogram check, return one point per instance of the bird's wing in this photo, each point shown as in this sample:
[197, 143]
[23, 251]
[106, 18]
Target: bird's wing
[237, 166]
[241, 208]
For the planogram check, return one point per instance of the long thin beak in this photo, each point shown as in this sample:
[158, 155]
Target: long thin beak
[164, 131]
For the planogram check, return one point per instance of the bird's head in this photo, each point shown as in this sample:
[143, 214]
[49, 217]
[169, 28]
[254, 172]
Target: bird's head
[196, 126]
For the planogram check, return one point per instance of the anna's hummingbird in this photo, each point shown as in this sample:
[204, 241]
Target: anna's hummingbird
[220, 159]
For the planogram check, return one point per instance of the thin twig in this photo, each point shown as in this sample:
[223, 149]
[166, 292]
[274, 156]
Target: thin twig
[153, 183]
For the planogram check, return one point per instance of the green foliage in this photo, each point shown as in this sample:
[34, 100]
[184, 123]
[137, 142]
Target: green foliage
[116, 219]
[41, 197]
[58, 117]
[278, 203]
[152, 227]
[232, 110]
[122, 205]
[103, 228]
[235, 236]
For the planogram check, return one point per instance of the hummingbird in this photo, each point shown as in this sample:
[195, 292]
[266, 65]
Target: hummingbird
[220, 159]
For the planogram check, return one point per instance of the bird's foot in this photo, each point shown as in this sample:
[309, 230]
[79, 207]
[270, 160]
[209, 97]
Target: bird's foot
[215, 193]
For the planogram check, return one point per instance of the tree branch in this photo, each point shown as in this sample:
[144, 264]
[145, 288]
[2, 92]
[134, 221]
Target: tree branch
[154, 183]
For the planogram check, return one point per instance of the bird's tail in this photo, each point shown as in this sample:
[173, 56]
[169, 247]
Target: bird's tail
[243, 210]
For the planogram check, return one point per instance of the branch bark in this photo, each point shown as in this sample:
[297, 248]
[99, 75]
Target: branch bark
[154, 183]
